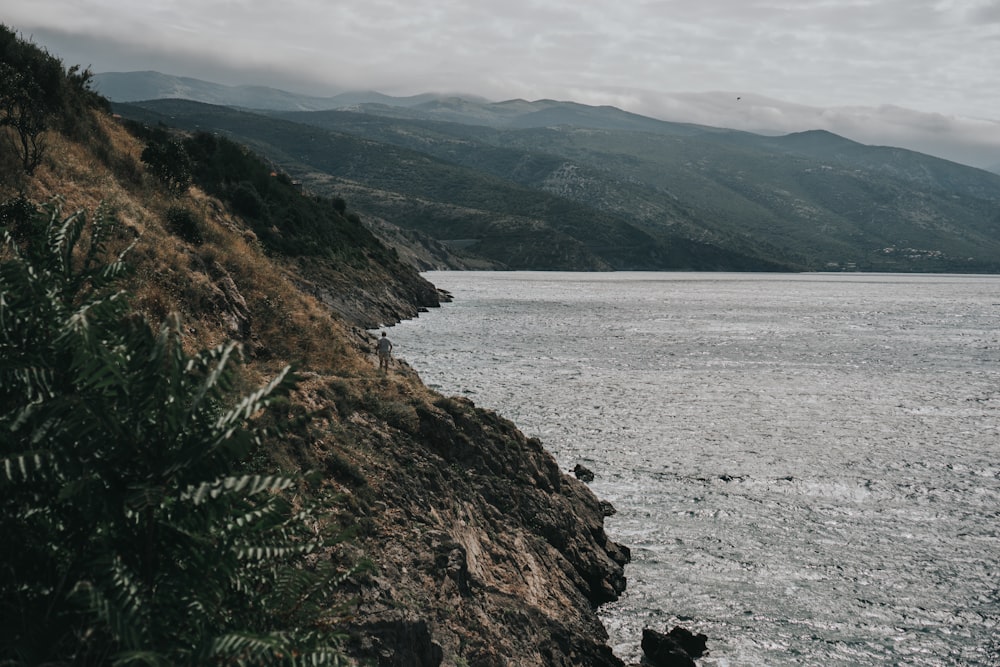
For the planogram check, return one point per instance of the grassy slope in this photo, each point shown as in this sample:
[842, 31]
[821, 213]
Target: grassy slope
[454, 506]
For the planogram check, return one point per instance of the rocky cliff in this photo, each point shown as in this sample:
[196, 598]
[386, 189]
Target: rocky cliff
[484, 552]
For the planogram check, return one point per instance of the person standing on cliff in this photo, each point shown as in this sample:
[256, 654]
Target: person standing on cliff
[384, 352]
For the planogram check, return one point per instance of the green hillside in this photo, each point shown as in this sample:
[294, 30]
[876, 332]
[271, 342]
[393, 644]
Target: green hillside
[810, 199]
[558, 185]
[451, 201]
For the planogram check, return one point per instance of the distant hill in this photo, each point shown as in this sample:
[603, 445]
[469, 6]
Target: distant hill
[561, 185]
[148, 85]
[517, 225]
[570, 197]
[812, 199]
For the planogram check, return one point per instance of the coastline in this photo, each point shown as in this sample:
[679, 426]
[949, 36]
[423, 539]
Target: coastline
[483, 547]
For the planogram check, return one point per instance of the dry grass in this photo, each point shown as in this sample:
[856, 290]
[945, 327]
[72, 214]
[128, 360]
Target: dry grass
[287, 326]
[171, 276]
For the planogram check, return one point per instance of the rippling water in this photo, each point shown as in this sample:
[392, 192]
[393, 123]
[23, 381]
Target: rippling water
[806, 467]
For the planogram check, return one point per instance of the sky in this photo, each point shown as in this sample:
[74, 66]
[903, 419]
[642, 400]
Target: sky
[920, 74]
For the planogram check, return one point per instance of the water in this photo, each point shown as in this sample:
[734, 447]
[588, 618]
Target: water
[806, 467]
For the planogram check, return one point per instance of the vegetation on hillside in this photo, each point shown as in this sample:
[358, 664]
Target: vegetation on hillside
[810, 200]
[144, 514]
[37, 94]
[521, 226]
[134, 462]
[136, 527]
[283, 218]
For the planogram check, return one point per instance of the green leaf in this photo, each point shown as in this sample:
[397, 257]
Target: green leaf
[250, 404]
[136, 658]
[245, 485]
[27, 466]
[124, 481]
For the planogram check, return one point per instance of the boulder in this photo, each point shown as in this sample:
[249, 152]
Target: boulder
[583, 473]
[607, 509]
[695, 645]
[678, 648]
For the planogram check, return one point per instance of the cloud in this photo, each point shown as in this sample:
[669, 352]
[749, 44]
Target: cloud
[849, 65]
[972, 141]
[984, 12]
[820, 52]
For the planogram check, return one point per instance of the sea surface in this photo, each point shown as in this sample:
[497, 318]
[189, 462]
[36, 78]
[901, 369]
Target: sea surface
[806, 467]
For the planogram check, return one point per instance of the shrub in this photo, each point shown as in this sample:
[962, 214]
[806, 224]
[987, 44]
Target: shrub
[247, 201]
[132, 533]
[18, 216]
[170, 163]
[185, 225]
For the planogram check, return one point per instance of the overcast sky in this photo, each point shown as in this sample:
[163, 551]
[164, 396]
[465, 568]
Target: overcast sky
[918, 73]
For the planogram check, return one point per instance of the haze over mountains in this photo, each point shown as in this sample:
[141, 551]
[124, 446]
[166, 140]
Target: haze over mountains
[971, 141]
[561, 185]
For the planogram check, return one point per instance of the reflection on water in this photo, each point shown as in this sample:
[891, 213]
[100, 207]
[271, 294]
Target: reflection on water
[806, 467]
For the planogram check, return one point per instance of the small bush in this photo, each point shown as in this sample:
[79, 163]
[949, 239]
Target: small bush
[397, 414]
[169, 162]
[185, 225]
[341, 469]
[17, 216]
[247, 201]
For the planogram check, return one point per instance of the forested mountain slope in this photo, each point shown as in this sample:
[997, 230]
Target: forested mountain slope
[494, 216]
[811, 199]
[561, 185]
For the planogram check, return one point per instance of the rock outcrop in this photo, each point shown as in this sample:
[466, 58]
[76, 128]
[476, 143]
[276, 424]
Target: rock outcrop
[485, 552]
[677, 648]
[367, 298]
[583, 473]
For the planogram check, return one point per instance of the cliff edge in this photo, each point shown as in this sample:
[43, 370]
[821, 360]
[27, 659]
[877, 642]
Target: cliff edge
[484, 552]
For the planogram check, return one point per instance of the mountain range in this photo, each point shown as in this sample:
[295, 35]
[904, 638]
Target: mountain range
[560, 185]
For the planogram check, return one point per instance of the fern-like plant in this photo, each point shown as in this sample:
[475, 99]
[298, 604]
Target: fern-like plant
[130, 532]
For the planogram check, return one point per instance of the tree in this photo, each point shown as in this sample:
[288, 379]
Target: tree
[21, 111]
[31, 95]
[132, 531]
[37, 94]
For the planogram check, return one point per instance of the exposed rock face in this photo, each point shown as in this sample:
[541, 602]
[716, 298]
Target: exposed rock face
[678, 648]
[232, 307]
[367, 298]
[477, 533]
[485, 553]
[398, 640]
[423, 251]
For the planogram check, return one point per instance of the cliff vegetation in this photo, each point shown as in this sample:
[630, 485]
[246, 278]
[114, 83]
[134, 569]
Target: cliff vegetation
[200, 461]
